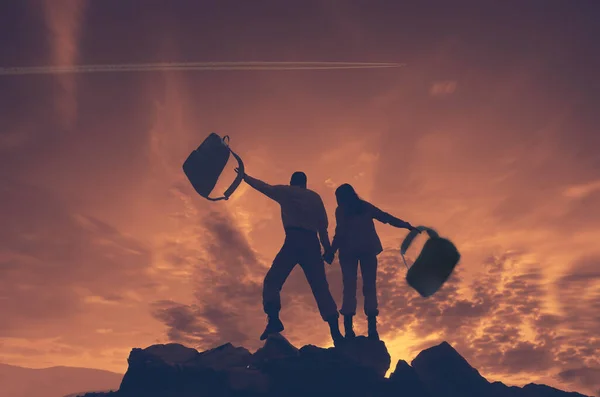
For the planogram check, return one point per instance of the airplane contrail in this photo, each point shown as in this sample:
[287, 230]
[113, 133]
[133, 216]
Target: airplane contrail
[192, 66]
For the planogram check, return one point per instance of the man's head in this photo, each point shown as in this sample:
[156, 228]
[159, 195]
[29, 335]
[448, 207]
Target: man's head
[298, 179]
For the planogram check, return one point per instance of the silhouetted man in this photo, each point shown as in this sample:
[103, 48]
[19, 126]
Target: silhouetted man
[303, 215]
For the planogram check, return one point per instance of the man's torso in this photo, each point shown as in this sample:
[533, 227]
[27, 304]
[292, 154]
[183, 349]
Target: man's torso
[301, 208]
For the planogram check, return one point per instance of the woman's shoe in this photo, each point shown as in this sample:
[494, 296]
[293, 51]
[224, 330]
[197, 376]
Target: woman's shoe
[348, 327]
[372, 326]
[336, 335]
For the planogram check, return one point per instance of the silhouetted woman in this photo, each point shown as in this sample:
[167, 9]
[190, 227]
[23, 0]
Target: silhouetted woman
[358, 242]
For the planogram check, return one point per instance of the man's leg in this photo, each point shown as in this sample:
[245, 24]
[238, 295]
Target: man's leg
[281, 268]
[368, 268]
[349, 265]
[314, 269]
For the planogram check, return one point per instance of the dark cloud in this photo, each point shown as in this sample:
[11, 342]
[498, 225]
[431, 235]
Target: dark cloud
[228, 291]
[586, 376]
[184, 325]
[528, 357]
[580, 295]
[229, 288]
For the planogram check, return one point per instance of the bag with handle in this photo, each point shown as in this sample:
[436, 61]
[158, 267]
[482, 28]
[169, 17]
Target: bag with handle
[434, 265]
[205, 164]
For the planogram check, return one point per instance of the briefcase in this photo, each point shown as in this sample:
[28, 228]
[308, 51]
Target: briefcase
[205, 164]
[434, 265]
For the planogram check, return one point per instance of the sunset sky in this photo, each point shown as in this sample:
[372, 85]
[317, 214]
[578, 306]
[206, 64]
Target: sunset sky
[489, 134]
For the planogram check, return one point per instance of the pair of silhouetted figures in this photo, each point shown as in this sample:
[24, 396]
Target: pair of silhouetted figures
[305, 223]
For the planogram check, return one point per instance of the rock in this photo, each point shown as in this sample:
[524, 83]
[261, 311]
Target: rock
[349, 370]
[171, 353]
[174, 370]
[278, 369]
[405, 381]
[276, 347]
[248, 380]
[224, 357]
[444, 371]
[367, 353]
[535, 390]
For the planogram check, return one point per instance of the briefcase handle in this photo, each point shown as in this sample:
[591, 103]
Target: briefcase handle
[411, 236]
[239, 178]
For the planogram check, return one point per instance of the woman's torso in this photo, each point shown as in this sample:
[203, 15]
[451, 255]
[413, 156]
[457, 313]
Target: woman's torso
[357, 234]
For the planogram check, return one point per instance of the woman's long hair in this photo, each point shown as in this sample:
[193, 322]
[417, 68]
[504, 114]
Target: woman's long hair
[348, 200]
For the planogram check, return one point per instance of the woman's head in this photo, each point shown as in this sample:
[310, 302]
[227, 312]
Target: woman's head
[347, 198]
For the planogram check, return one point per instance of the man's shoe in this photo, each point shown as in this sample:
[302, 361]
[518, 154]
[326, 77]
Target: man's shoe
[372, 328]
[274, 326]
[348, 327]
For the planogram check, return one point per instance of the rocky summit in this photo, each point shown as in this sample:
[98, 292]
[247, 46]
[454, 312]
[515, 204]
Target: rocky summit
[279, 369]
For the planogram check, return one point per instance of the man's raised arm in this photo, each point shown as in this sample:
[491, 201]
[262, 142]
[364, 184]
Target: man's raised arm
[263, 187]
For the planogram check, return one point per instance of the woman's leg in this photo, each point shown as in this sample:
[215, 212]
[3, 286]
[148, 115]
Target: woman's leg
[349, 265]
[368, 268]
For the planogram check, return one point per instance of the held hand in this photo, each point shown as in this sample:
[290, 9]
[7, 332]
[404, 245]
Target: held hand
[328, 257]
